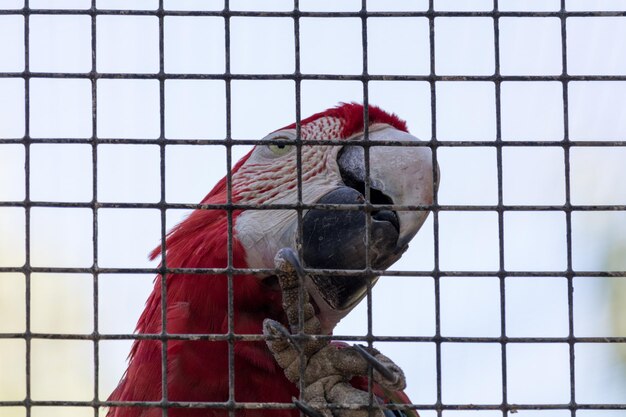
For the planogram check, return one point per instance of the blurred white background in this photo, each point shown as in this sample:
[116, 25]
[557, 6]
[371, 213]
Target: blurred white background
[405, 306]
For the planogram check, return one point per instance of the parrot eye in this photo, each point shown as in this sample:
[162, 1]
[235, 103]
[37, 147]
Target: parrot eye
[280, 142]
[280, 149]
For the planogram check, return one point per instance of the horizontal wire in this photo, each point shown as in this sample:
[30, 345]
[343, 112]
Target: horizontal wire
[317, 206]
[441, 143]
[282, 406]
[224, 337]
[313, 14]
[336, 272]
[309, 77]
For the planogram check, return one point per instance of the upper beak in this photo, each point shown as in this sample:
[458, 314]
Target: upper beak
[336, 239]
[401, 175]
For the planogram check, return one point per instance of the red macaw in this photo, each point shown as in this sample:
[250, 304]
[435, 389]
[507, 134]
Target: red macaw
[197, 370]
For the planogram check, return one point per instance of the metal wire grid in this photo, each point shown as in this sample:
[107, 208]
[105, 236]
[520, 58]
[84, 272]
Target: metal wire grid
[505, 407]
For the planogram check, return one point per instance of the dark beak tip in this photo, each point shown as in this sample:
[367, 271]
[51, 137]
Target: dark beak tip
[389, 216]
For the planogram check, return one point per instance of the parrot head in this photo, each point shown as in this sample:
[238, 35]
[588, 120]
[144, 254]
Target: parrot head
[334, 175]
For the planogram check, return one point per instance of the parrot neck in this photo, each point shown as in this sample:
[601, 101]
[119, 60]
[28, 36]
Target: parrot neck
[198, 242]
[199, 304]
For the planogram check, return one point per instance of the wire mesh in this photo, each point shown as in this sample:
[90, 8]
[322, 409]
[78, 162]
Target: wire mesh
[93, 76]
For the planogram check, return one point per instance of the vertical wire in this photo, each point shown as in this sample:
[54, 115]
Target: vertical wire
[366, 157]
[229, 214]
[163, 213]
[299, 235]
[568, 211]
[27, 204]
[436, 271]
[94, 202]
[368, 202]
[501, 269]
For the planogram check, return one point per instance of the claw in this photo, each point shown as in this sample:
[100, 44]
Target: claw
[307, 409]
[377, 365]
[291, 256]
[285, 333]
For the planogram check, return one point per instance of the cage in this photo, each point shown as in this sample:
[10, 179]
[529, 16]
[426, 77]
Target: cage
[116, 118]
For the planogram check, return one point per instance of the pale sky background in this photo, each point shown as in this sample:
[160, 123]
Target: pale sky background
[470, 306]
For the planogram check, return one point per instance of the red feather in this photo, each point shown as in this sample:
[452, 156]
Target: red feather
[351, 115]
[198, 304]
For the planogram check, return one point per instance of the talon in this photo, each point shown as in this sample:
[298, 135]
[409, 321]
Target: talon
[377, 365]
[290, 256]
[307, 409]
[285, 333]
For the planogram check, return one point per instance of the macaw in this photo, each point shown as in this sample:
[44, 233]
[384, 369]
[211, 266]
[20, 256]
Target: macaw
[197, 303]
